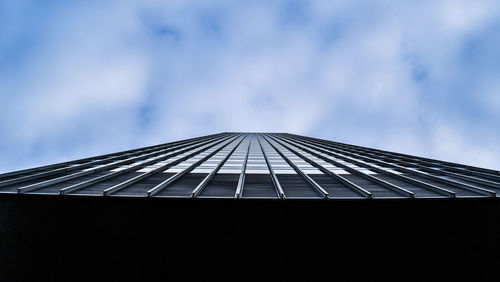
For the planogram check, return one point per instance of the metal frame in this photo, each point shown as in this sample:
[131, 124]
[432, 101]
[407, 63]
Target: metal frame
[75, 187]
[424, 185]
[407, 176]
[390, 186]
[413, 158]
[275, 180]
[77, 167]
[426, 166]
[419, 173]
[162, 168]
[204, 183]
[321, 192]
[63, 164]
[241, 180]
[160, 187]
[354, 187]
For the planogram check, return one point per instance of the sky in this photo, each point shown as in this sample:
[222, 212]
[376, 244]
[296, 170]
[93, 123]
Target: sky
[83, 78]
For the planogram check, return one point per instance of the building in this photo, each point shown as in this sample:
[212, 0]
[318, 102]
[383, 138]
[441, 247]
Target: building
[252, 202]
[246, 165]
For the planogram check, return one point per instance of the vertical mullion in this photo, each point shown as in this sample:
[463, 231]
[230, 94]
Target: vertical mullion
[373, 156]
[204, 183]
[90, 159]
[424, 185]
[275, 180]
[88, 164]
[419, 173]
[479, 169]
[241, 180]
[138, 178]
[108, 166]
[390, 186]
[304, 176]
[160, 187]
[356, 188]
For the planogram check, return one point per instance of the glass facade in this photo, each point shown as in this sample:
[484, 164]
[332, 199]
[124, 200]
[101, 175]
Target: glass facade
[256, 165]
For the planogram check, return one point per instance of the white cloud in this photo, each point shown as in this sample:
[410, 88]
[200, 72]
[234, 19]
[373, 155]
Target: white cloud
[370, 73]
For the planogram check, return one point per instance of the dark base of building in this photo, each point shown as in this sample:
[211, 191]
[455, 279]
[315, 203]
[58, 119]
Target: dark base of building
[66, 238]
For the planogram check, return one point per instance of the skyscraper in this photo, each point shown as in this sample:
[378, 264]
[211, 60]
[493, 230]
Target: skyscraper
[268, 204]
[256, 165]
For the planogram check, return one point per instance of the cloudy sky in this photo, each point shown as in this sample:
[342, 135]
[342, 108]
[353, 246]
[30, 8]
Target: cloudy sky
[81, 78]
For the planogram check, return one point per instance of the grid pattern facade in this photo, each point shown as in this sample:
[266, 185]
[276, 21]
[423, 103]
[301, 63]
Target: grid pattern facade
[256, 165]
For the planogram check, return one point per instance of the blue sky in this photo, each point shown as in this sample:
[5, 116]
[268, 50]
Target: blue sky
[81, 78]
